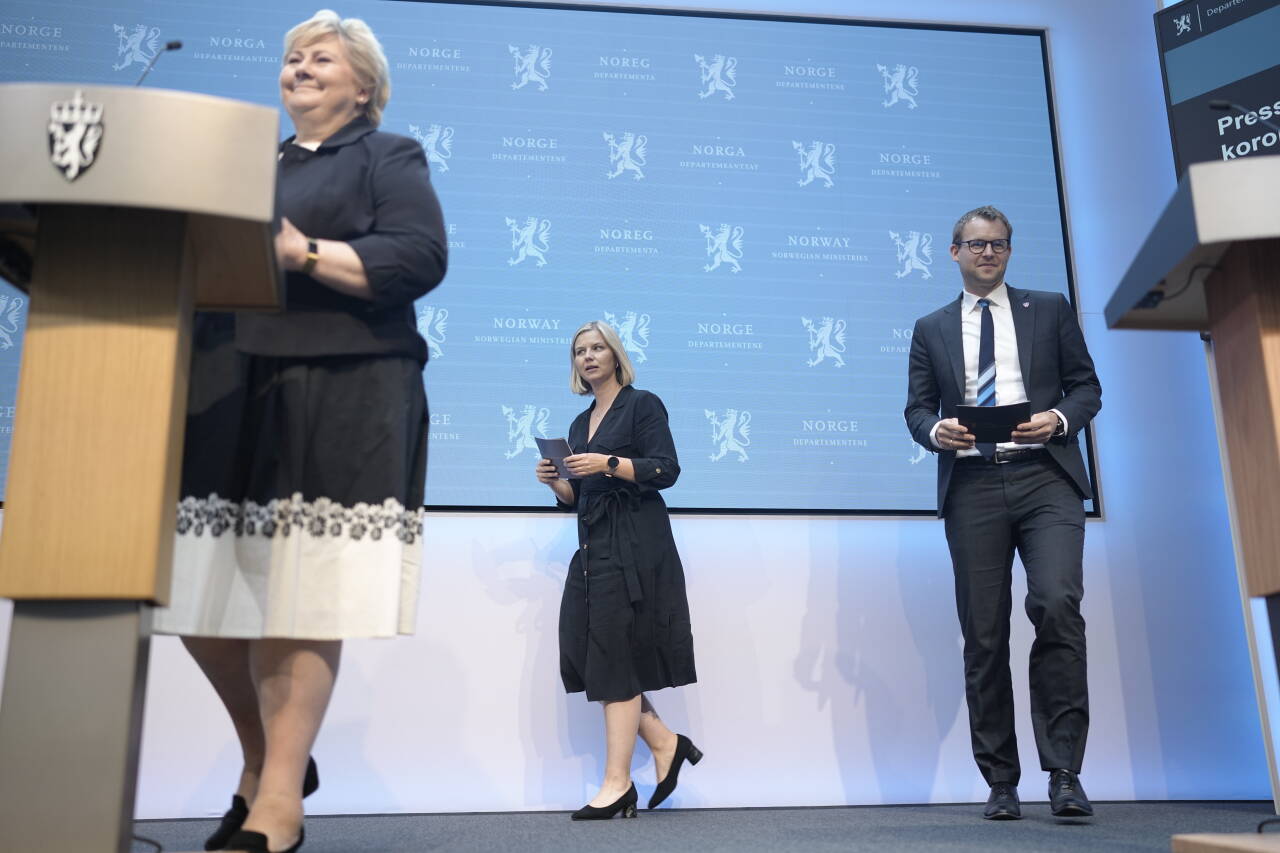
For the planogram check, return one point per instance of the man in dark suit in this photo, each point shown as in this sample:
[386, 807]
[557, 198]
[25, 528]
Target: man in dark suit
[1024, 495]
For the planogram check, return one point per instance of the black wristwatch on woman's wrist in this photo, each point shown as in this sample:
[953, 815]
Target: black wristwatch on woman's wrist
[613, 466]
[313, 255]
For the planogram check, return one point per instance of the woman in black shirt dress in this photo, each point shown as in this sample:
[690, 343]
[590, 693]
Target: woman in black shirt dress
[305, 454]
[624, 617]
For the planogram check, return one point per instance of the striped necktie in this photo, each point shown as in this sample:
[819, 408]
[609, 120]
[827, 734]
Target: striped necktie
[987, 369]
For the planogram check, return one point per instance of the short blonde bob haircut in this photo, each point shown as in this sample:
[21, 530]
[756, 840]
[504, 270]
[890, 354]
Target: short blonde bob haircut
[367, 59]
[625, 373]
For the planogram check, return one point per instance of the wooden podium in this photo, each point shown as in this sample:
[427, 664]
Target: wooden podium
[145, 205]
[1211, 264]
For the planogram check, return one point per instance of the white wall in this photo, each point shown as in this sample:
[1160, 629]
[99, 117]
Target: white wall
[828, 649]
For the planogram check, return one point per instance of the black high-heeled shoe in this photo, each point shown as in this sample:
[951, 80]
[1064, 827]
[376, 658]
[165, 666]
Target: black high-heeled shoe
[625, 804]
[256, 842]
[232, 820]
[235, 816]
[684, 749]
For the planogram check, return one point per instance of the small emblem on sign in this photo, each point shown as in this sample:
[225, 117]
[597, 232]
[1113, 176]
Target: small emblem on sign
[75, 129]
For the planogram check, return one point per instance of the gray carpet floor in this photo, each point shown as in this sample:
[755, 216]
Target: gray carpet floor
[1116, 826]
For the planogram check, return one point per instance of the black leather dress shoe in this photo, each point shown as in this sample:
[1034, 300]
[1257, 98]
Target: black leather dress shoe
[1066, 795]
[1003, 804]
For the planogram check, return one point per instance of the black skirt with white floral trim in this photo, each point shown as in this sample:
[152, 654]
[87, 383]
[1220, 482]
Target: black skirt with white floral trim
[302, 488]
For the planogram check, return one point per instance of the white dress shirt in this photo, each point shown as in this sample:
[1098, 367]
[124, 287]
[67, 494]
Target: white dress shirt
[1009, 387]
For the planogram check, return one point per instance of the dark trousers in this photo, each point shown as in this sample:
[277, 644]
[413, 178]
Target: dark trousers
[991, 510]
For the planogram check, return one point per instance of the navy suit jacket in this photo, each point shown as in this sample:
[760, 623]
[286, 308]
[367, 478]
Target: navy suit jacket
[1057, 373]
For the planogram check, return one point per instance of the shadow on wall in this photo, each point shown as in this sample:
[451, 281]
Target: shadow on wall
[555, 727]
[895, 712]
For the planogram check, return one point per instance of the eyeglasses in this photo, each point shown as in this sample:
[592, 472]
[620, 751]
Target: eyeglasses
[980, 246]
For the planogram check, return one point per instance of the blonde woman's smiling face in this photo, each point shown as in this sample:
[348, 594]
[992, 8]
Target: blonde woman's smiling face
[318, 77]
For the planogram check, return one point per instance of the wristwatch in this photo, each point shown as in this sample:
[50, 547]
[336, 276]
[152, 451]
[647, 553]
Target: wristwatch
[613, 466]
[1061, 429]
[313, 255]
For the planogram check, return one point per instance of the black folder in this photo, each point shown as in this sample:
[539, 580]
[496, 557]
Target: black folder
[993, 423]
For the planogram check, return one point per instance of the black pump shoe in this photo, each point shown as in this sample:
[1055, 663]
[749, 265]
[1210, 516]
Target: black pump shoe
[684, 749]
[232, 820]
[625, 804]
[235, 816]
[256, 842]
[311, 782]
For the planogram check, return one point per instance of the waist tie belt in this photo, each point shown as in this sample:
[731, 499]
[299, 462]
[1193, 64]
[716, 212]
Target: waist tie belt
[618, 505]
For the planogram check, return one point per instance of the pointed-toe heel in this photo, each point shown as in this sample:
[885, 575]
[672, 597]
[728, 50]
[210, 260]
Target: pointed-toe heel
[256, 842]
[311, 782]
[624, 805]
[232, 820]
[685, 751]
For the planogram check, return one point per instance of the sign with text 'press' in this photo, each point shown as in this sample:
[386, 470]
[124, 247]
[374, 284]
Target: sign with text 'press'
[1221, 78]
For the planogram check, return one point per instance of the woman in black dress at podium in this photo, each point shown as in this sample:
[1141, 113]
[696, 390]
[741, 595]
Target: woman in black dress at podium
[624, 617]
[305, 455]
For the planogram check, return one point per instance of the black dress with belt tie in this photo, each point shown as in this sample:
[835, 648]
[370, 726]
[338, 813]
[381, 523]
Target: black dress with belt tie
[624, 617]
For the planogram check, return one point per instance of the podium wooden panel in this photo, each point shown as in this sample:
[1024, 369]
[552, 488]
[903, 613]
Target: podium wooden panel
[1235, 842]
[1243, 303]
[173, 212]
[92, 490]
[1211, 264]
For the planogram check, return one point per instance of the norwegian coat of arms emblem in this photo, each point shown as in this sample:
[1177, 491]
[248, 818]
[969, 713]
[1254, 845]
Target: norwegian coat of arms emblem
[75, 131]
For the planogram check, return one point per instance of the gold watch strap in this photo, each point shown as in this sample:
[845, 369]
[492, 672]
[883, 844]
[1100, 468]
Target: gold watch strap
[313, 255]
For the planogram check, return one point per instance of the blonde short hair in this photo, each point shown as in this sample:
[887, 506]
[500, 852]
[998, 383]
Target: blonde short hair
[367, 59]
[625, 373]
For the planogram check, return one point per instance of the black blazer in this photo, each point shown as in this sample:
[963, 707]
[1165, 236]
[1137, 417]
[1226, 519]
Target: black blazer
[372, 190]
[1057, 373]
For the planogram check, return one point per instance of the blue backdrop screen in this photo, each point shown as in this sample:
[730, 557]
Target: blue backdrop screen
[761, 206]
